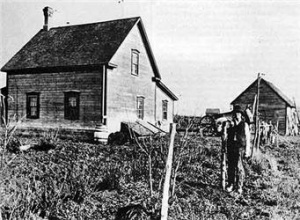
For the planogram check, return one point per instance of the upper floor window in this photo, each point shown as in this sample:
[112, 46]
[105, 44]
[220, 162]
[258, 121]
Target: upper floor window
[140, 107]
[165, 109]
[72, 105]
[135, 62]
[33, 105]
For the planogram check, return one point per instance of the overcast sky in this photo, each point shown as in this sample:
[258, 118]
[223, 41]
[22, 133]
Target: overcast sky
[208, 52]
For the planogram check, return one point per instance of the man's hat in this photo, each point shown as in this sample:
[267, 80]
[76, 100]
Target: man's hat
[237, 108]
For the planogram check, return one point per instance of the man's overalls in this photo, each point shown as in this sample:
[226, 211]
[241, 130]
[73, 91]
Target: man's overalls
[235, 150]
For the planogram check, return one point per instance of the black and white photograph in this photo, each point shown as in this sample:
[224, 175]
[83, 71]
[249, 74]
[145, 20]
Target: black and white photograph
[149, 110]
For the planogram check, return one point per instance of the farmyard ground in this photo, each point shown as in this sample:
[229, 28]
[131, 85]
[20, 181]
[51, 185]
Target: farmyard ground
[78, 180]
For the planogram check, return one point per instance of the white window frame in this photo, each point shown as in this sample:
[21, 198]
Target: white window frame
[135, 60]
[164, 109]
[140, 107]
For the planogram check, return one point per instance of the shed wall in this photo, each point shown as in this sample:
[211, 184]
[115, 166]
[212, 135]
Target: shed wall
[271, 106]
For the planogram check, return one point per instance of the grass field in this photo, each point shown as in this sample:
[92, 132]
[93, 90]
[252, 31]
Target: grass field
[69, 179]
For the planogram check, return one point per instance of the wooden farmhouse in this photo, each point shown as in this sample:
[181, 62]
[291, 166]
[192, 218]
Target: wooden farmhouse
[274, 106]
[79, 76]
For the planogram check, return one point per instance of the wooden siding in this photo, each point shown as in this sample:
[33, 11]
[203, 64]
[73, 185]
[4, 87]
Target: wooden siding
[51, 87]
[123, 88]
[160, 96]
[3, 104]
[271, 106]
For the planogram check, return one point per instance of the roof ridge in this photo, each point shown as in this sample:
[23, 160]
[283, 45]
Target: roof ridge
[93, 23]
[278, 91]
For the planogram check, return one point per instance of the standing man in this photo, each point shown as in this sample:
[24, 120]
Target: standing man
[238, 146]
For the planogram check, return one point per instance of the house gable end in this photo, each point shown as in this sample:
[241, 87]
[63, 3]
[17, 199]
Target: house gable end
[122, 82]
[148, 49]
[145, 40]
[142, 45]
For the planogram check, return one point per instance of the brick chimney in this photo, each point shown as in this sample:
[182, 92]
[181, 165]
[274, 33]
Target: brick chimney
[47, 13]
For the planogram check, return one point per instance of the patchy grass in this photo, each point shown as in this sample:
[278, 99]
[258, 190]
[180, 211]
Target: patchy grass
[76, 180]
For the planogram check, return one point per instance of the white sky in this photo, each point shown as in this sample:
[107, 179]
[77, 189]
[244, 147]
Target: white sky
[208, 52]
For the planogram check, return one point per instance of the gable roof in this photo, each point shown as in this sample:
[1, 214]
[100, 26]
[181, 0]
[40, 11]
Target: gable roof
[77, 45]
[279, 92]
[274, 88]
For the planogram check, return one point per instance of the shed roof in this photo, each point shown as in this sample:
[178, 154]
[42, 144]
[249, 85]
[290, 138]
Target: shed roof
[274, 88]
[77, 46]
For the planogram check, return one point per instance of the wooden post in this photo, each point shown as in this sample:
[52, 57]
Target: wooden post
[1, 110]
[258, 138]
[297, 114]
[165, 205]
[150, 174]
[223, 161]
[277, 133]
[254, 117]
[256, 141]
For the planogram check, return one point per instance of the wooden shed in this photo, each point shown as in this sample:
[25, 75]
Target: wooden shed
[273, 105]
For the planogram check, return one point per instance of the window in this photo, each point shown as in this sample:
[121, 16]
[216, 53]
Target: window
[72, 105]
[33, 105]
[140, 107]
[135, 62]
[165, 110]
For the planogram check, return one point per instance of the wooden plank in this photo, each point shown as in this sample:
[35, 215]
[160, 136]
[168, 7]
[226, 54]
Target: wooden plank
[165, 205]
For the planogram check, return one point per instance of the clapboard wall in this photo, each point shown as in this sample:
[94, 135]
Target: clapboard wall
[52, 86]
[123, 88]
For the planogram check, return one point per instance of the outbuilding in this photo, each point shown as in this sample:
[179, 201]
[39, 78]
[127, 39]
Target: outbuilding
[274, 106]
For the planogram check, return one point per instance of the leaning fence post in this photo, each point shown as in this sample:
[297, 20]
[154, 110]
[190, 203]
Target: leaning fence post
[165, 205]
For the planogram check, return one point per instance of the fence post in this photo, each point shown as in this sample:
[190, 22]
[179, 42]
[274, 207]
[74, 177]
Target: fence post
[223, 162]
[1, 109]
[165, 205]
